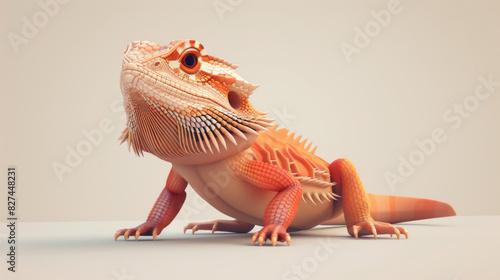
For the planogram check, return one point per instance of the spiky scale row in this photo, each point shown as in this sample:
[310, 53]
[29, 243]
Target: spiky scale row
[281, 148]
[318, 195]
[211, 127]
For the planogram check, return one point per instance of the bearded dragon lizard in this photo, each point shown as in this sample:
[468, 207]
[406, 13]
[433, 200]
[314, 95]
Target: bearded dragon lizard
[193, 110]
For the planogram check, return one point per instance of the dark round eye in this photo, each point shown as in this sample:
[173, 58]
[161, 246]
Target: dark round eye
[190, 60]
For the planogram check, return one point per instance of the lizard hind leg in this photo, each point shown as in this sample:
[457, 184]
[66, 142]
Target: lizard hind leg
[221, 225]
[356, 204]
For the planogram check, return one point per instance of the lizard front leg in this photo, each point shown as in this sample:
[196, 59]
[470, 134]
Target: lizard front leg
[167, 206]
[355, 202]
[282, 208]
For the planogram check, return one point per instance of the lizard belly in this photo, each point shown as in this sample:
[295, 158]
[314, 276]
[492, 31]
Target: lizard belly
[217, 184]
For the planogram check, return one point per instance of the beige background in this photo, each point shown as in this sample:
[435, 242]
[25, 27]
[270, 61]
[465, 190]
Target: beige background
[64, 80]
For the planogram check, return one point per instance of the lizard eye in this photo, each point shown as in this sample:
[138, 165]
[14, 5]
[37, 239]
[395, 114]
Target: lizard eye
[189, 62]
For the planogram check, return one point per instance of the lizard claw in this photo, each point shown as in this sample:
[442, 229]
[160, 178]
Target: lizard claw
[117, 234]
[125, 235]
[274, 239]
[137, 234]
[146, 229]
[261, 240]
[368, 227]
[195, 228]
[274, 232]
[155, 233]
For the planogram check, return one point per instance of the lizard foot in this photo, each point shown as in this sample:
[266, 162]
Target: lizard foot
[273, 232]
[220, 225]
[368, 227]
[147, 229]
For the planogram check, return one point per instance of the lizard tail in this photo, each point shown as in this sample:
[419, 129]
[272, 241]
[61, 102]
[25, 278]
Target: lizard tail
[396, 209]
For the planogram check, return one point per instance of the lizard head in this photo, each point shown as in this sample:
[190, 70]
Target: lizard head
[184, 105]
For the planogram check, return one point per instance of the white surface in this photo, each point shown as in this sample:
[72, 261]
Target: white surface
[447, 248]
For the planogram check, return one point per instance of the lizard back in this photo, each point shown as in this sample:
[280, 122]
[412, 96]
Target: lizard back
[282, 148]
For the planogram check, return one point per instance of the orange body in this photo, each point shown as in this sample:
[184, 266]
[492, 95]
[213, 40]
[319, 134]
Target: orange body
[192, 109]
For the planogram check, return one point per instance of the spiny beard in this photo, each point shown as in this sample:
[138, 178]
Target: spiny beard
[169, 134]
[214, 127]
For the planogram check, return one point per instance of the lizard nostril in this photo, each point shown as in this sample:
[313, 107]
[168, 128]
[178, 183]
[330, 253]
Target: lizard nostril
[157, 63]
[234, 100]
